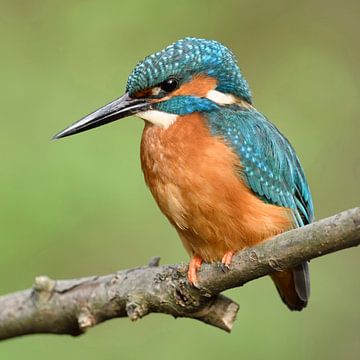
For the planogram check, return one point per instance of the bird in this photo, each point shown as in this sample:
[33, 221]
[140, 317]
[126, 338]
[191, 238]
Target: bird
[224, 176]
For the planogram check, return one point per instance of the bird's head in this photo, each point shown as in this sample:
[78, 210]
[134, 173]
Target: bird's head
[190, 75]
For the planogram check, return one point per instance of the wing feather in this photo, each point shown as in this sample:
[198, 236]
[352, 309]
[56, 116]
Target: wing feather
[270, 165]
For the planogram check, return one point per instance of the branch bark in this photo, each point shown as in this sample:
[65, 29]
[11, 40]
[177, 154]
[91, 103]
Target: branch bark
[72, 306]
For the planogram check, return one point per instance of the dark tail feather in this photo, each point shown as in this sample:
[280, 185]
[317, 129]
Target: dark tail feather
[293, 286]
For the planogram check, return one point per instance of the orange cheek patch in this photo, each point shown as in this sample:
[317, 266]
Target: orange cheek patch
[197, 86]
[143, 93]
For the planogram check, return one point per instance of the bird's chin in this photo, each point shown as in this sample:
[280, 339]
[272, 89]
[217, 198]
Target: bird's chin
[158, 118]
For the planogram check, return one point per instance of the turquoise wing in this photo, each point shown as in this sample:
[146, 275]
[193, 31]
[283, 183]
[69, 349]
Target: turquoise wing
[270, 165]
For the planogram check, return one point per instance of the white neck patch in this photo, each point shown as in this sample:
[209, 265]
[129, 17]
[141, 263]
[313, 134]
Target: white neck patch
[158, 118]
[220, 98]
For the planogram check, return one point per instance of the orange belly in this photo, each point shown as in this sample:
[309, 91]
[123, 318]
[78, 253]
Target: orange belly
[196, 180]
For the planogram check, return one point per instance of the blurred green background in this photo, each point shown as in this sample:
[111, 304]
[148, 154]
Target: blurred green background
[79, 206]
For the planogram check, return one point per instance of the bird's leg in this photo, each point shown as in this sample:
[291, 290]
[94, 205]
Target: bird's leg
[194, 266]
[226, 260]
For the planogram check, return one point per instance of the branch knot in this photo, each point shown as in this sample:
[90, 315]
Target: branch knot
[85, 319]
[43, 288]
[136, 307]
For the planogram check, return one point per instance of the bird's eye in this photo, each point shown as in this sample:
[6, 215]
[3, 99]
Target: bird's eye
[169, 85]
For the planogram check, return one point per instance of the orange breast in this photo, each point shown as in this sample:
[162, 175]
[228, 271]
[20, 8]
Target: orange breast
[195, 179]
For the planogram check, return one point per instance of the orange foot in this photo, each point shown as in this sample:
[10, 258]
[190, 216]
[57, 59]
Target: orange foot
[226, 260]
[194, 266]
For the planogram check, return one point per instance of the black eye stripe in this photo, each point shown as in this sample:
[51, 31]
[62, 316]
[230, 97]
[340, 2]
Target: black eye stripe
[169, 84]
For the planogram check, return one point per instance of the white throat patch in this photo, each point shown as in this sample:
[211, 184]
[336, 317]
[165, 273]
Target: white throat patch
[159, 118]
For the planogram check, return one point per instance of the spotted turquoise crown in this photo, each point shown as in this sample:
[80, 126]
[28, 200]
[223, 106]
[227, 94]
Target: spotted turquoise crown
[187, 57]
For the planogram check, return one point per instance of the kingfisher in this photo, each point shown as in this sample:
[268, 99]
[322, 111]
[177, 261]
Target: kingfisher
[219, 170]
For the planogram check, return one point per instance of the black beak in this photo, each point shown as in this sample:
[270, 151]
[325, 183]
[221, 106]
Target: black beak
[117, 109]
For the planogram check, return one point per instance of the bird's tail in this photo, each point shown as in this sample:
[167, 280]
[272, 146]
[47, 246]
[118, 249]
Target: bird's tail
[293, 286]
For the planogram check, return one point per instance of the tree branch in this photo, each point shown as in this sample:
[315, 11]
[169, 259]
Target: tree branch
[72, 306]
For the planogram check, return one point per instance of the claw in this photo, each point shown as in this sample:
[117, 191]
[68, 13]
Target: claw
[194, 266]
[226, 260]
